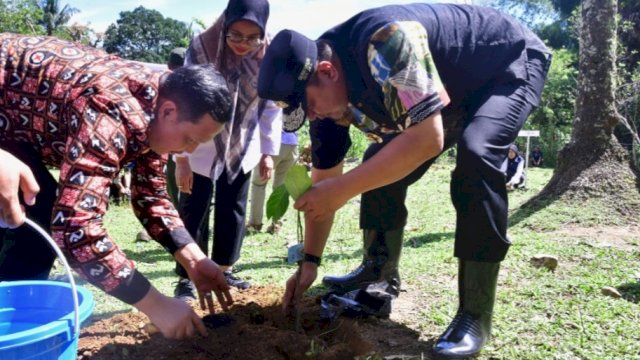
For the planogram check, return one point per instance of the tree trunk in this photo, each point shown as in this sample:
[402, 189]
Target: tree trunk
[593, 164]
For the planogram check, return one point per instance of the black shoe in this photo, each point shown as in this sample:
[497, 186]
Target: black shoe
[464, 338]
[233, 280]
[380, 263]
[185, 290]
[360, 277]
[471, 327]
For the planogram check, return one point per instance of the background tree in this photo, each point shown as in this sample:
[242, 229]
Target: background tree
[554, 116]
[145, 35]
[593, 166]
[55, 18]
[628, 93]
[559, 28]
[21, 16]
[84, 34]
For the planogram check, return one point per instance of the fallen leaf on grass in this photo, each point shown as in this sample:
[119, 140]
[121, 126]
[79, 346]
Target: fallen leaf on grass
[611, 292]
[548, 261]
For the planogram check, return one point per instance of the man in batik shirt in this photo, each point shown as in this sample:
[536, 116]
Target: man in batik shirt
[416, 79]
[88, 113]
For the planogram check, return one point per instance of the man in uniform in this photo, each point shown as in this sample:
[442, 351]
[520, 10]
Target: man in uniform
[416, 79]
[88, 113]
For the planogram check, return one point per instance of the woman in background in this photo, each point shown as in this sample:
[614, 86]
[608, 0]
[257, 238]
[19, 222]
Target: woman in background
[236, 44]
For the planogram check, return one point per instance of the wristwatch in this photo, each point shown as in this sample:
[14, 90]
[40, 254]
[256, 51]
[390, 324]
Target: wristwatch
[311, 258]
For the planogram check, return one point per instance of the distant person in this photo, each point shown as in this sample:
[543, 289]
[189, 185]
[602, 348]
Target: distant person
[121, 187]
[88, 113]
[176, 58]
[281, 163]
[221, 168]
[515, 169]
[536, 156]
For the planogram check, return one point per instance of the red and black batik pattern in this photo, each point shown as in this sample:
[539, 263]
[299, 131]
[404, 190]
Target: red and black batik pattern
[87, 112]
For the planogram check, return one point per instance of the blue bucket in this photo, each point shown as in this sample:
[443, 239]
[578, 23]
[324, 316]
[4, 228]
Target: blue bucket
[37, 319]
[41, 319]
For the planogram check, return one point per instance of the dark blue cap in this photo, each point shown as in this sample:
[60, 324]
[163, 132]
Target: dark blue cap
[284, 72]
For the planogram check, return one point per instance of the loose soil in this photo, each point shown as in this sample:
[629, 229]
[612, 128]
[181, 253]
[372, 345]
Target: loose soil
[623, 238]
[256, 328]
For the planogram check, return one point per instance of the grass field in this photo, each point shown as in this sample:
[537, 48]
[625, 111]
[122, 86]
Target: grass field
[539, 314]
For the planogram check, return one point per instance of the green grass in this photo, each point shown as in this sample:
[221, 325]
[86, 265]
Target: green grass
[538, 315]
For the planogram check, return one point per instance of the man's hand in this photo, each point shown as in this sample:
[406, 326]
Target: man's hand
[322, 200]
[298, 283]
[184, 174]
[206, 275]
[15, 175]
[266, 167]
[208, 278]
[173, 317]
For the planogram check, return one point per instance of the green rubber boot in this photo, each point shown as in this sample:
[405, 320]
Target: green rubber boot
[379, 263]
[471, 327]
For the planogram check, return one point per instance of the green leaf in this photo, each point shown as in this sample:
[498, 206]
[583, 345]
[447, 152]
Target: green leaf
[278, 203]
[297, 181]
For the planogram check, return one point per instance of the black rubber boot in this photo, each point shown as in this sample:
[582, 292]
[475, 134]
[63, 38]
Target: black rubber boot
[471, 327]
[379, 263]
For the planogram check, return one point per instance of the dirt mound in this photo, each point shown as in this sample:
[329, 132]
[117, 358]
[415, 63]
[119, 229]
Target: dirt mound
[253, 328]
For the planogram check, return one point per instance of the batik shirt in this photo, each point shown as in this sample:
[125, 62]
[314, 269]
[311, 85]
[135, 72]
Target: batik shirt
[87, 113]
[389, 57]
[400, 62]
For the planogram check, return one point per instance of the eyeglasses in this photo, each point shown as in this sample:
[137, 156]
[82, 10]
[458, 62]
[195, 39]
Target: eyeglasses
[253, 41]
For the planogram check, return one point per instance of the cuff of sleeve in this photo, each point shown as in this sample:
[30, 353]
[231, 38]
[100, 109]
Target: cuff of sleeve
[132, 290]
[175, 239]
[424, 109]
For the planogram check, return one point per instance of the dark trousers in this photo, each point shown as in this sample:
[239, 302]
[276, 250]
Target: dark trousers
[172, 187]
[24, 255]
[229, 216]
[491, 123]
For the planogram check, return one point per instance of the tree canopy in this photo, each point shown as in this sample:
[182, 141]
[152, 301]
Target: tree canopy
[145, 35]
[22, 17]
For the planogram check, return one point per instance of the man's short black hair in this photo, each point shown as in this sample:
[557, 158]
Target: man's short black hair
[176, 58]
[198, 90]
[325, 51]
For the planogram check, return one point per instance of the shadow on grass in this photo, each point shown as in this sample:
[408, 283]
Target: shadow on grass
[151, 274]
[412, 242]
[529, 208]
[280, 261]
[630, 292]
[569, 184]
[429, 238]
[148, 255]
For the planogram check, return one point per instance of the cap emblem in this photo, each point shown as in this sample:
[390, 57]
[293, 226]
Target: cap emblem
[306, 70]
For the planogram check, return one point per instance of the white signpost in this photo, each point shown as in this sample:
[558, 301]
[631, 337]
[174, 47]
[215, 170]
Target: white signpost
[529, 134]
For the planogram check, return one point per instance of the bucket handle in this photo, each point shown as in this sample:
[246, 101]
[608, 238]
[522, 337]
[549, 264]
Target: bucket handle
[54, 246]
